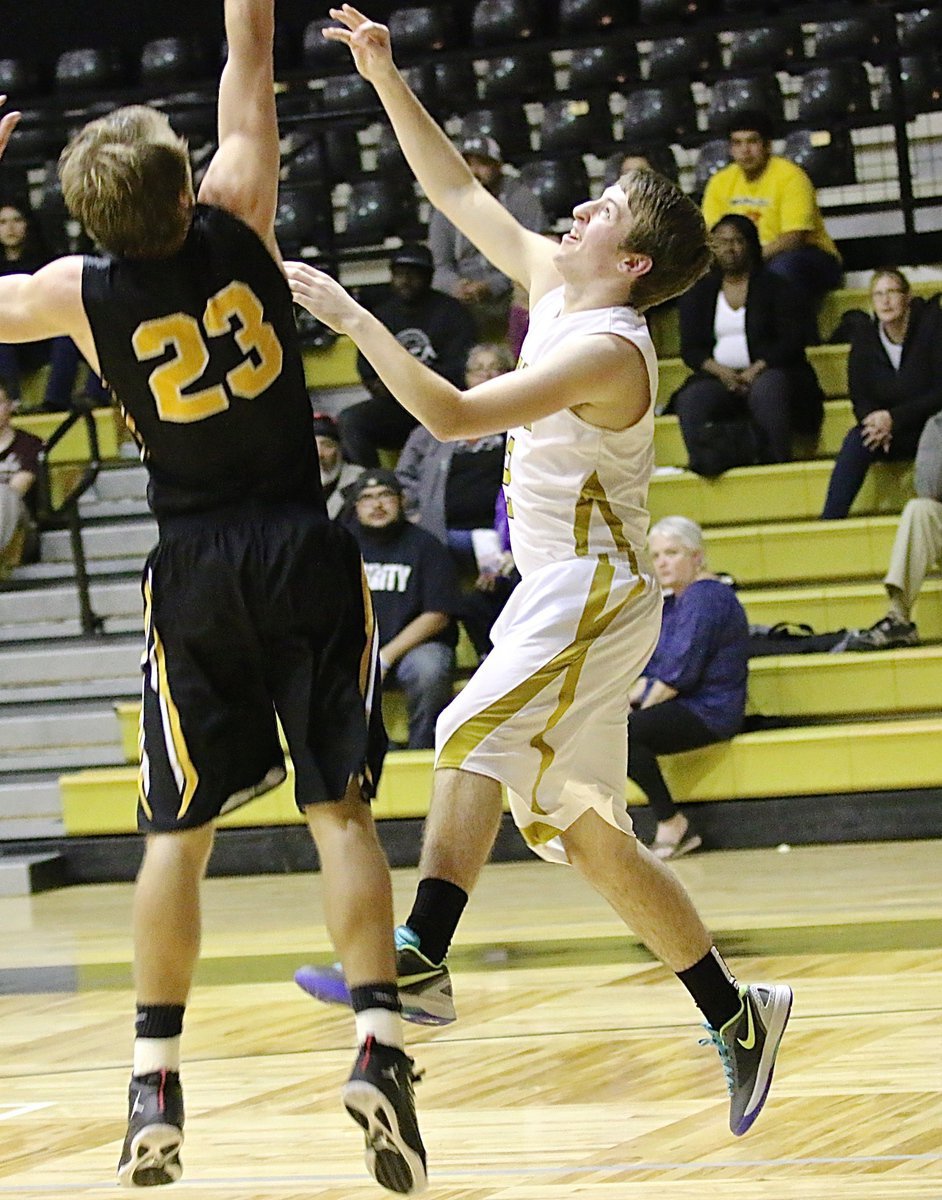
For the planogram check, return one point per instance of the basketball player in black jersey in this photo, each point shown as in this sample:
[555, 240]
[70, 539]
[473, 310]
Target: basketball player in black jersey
[255, 604]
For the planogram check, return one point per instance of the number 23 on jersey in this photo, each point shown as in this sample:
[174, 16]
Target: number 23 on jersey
[254, 336]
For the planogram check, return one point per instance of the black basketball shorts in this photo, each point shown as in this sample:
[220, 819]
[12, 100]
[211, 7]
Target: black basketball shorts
[249, 612]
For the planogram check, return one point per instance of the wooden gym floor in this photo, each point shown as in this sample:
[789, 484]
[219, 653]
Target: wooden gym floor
[573, 1070]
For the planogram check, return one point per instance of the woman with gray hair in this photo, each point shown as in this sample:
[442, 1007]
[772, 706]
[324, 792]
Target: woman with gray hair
[693, 691]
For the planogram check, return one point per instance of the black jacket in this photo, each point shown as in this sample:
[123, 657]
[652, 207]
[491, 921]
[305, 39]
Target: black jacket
[914, 392]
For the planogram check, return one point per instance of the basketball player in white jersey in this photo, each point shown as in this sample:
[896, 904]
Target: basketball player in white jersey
[545, 714]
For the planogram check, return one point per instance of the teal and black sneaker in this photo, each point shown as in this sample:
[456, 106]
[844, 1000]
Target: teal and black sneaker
[424, 986]
[747, 1045]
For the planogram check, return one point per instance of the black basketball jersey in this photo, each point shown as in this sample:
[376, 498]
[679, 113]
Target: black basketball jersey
[201, 351]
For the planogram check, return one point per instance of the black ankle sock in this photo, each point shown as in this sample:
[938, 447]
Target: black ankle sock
[375, 995]
[159, 1020]
[713, 988]
[435, 915]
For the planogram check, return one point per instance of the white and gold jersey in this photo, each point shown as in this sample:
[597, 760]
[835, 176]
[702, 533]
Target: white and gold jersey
[573, 489]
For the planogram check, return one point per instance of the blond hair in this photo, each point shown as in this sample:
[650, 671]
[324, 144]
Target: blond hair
[669, 228]
[124, 177]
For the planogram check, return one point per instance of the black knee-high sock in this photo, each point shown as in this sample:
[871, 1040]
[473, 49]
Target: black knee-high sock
[435, 915]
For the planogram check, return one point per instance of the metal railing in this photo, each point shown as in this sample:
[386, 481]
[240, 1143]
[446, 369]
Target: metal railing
[65, 514]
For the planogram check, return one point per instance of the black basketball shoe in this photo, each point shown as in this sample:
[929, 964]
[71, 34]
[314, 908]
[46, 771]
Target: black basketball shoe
[151, 1152]
[378, 1095]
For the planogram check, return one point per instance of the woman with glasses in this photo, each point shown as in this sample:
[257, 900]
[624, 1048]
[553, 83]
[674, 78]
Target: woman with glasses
[895, 379]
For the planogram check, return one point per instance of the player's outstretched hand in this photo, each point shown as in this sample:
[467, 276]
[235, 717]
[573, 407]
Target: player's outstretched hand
[368, 41]
[8, 123]
[321, 295]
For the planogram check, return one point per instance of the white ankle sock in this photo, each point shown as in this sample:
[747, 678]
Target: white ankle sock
[382, 1024]
[156, 1054]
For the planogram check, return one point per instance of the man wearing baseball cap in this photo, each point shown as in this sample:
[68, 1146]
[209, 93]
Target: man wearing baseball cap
[337, 475]
[434, 327]
[461, 269]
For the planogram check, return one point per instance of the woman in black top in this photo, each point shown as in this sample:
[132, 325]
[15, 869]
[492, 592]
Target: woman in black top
[895, 377]
[740, 336]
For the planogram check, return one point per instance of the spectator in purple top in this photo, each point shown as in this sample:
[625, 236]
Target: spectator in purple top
[693, 691]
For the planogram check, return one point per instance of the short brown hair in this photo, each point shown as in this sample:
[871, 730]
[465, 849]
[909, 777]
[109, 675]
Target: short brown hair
[122, 178]
[668, 227]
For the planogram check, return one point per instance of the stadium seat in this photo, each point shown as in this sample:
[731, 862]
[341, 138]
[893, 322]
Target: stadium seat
[191, 114]
[740, 93]
[689, 56]
[655, 12]
[421, 29]
[92, 67]
[575, 125]
[455, 84]
[34, 143]
[839, 89]
[919, 30]
[711, 157]
[173, 60]
[302, 219]
[496, 21]
[20, 77]
[560, 183]
[517, 77]
[344, 92]
[660, 112]
[850, 37]
[826, 155]
[419, 79]
[585, 16]
[920, 77]
[766, 47]
[379, 208]
[316, 51]
[390, 160]
[508, 126]
[51, 217]
[658, 154]
[611, 66]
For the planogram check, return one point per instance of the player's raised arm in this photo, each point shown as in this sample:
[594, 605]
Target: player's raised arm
[243, 175]
[444, 175]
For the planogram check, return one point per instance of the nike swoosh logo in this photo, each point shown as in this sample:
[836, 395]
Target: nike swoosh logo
[750, 1039]
[408, 980]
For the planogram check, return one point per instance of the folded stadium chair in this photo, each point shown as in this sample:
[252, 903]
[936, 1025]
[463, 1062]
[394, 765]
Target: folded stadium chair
[560, 183]
[654, 12]
[52, 217]
[496, 21]
[920, 77]
[173, 60]
[90, 68]
[455, 84]
[345, 92]
[379, 208]
[690, 56]
[711, 157]
[611, 66]
[658, 154]
[837, 90]
[35, 142]
[585, 16]
[303, 219]
[193, 115]
[518, 77]
[419, 79]
[576, 125]
[850, 37]
[327, 155]
[827, 155]
[316, 51]
[508, 126]
[919, 30]
[20, 78]
[421, 29]
[390, 161]
[741, 93]
[660, 112]
[769, 47]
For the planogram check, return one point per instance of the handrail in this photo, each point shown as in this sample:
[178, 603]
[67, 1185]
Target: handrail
[67, 511]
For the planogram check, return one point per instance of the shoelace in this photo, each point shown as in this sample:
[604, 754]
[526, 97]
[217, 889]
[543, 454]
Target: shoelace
[716, 1040]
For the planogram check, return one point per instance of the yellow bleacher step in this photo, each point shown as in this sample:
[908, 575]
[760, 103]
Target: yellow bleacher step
[853, 684]
[670, 451]
[803, 551]
[334, 366]
[74, 446]
[841, 606]
[782, 492]
[810, 760]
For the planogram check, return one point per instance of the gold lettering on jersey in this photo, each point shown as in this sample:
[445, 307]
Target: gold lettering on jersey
[506, 476]
[181, 332]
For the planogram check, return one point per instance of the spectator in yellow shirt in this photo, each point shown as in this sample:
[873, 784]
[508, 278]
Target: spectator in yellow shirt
[779, 198]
